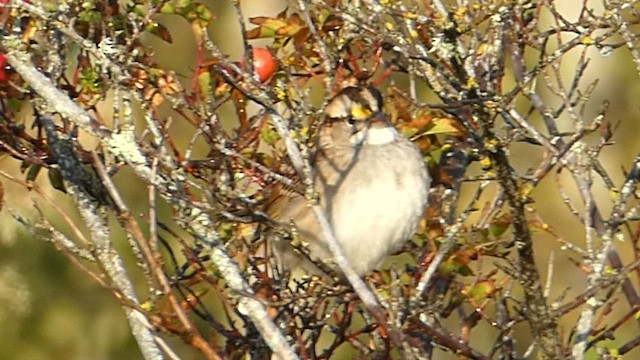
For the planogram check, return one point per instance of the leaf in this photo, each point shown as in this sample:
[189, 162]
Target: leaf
[427, 122]
[204, 85]
[274, 28]
[33, 172]
[269, 135]
[160, 31]
[56, 180]
[331, 23]
[499, 225]
[399, 108]
[203, 15]
[267, 28]
[184, 3]
[196, 13]
[479, 291]
[444, 125]
[457, 263]
[168, 8]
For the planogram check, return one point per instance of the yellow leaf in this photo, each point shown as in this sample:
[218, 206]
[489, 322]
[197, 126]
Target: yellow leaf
[587, 40]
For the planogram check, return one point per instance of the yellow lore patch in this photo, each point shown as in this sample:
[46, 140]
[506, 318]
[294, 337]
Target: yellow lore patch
[359, 112]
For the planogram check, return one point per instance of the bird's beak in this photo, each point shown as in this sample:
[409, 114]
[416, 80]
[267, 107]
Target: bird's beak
[378, 119]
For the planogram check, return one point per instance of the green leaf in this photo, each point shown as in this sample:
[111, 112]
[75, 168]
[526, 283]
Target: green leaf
[442, 126]
[480, 291]
[56, 180]
[33, 172]
[269, 135]
[204, 84]
[168, 8]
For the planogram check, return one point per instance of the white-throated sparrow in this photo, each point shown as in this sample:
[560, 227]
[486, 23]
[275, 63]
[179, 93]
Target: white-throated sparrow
[371, 180]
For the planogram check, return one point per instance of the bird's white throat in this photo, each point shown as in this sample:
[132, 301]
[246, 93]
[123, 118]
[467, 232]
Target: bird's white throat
[374, 136]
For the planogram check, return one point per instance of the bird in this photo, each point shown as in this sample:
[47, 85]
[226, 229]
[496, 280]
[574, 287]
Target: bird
[371, 181]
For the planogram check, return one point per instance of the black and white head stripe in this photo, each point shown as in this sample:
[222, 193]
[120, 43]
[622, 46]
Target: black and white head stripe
[355, 102]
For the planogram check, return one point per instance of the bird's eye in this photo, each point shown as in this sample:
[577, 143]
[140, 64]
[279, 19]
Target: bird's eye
[350, 121]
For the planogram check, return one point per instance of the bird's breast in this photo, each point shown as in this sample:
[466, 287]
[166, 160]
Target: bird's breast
[378, 203]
